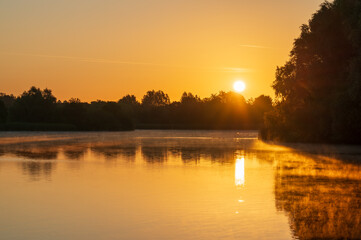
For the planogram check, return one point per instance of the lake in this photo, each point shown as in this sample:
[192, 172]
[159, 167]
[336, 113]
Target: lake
[150, 184]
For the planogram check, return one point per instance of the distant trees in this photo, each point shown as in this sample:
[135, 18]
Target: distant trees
[8, 100]
[319, 87]
[260, 106]
[38, 109]
[74, 112]
[35, 109]
[98, 115]
[155, 99]
[225, 110]
[34, 105]
[189, 98]
[129, 100]
[106, 116]
[3, 112]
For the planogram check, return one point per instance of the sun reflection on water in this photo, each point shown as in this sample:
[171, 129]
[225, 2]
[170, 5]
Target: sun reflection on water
[239, 172]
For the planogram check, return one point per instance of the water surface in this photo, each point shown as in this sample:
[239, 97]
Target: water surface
[175, 185]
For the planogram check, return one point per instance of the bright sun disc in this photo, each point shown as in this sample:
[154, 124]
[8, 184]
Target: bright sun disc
[239, 86]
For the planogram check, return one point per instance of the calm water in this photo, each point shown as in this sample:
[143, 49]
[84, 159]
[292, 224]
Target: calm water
[175, 185]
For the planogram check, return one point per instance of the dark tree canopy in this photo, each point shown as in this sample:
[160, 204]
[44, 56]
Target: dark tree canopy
[189, 98]
[3, 112]
[38, 109]
[8, 100]
[319, 88]
[261, 105]
[155, 98]
[34, 105]
[129, 100]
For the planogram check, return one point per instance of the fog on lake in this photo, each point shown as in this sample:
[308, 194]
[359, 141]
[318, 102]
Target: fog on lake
[150, 184]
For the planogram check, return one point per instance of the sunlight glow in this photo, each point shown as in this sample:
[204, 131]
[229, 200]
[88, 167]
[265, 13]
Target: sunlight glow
[239, 174]
[239, 86]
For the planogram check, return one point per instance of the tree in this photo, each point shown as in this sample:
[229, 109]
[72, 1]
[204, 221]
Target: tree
[34, 105]
[7, 99]
[260, 106]
[264, 103]
[73, 112]
[129, 100]
[318, 89]
[3, 112]
[189, 98]
[155, 99]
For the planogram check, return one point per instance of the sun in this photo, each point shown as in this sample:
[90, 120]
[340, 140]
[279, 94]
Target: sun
[239, 86]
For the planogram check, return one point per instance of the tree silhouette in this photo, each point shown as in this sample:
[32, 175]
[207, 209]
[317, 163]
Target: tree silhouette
[34, 105]
[189, 98]
[319, 88]
[73, 112]
[3, 112]
[129, 100]
[155, 99]
[260, 106]
[38, 109]
[7, 99]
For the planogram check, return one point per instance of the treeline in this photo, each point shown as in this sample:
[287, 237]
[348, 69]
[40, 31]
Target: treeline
[38, 109]
[319, 88]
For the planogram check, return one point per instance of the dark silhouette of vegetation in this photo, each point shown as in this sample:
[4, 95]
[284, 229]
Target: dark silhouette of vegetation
[34, 105]
[155, 99]
[319, 88]
[8, 100]
[38, 109]
[3, 112]
[130, 100]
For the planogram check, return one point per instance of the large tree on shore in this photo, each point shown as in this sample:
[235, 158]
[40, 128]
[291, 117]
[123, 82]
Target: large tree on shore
[319, 87]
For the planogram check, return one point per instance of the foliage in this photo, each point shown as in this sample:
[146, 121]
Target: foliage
[318, 89]
[34, 105]
[38, 110]
[155, 99]
[8, 100]
[129, 100]
[3, 112]
[260, 106]
[189, 98]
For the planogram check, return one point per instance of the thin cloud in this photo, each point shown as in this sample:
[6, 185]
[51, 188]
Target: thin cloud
[82, 59]
[101, 60]
[236, 70]
[254, 46]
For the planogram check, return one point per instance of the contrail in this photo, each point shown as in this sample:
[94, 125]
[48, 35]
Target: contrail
[236, 70]
[82, 59]
[101, 60]
[254, 46]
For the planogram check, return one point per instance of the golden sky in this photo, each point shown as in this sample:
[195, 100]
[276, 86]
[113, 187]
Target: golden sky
[104, 49]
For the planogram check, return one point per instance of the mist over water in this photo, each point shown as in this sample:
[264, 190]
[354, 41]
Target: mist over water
[175, 185]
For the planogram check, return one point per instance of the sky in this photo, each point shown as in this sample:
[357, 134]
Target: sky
[105, 49]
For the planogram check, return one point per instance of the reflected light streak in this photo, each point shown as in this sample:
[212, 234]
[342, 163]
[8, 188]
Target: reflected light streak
[239, 172]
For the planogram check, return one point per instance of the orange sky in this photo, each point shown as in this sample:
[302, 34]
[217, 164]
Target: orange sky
[104, 49]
